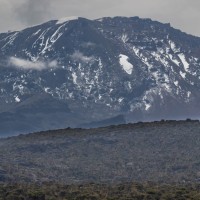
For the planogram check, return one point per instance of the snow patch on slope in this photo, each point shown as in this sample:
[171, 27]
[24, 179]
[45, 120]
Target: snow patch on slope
[183, 74]
[74, 76]
[173, 47]
[184, 61]
[17, 99]
[124, 38]
[10, 40]
[127, 66]
[176, 83]
[147, 106]
[173, 59]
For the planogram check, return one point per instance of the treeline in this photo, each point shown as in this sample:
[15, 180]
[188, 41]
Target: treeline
[127, 191]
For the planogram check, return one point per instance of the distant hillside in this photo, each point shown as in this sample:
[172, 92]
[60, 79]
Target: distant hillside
[107, 122]
[167, 151]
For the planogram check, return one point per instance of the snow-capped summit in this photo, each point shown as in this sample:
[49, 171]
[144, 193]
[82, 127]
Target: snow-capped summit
[65, 19]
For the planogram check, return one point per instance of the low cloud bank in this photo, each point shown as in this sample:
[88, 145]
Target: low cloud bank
[78, 56]
[27, 64]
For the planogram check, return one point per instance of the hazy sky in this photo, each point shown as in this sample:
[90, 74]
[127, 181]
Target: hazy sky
[182, 14]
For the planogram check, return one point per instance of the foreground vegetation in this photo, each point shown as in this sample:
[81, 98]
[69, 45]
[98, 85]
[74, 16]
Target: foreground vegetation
[119, 161]
[128, 191]
[161, 152]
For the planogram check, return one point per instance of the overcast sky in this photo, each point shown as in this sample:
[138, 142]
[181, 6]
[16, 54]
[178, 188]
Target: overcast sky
[182, 14]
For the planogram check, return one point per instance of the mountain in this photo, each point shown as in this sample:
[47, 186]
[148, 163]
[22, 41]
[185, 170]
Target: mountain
[75, 71]
[160, 152]
[106, 122]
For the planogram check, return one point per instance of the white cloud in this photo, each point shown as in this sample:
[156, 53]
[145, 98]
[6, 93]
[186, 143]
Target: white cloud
[78, 56]
[27, 64]
[53, 64]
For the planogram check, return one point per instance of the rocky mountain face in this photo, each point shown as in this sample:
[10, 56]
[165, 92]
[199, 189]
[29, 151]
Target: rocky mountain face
[76, 71]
